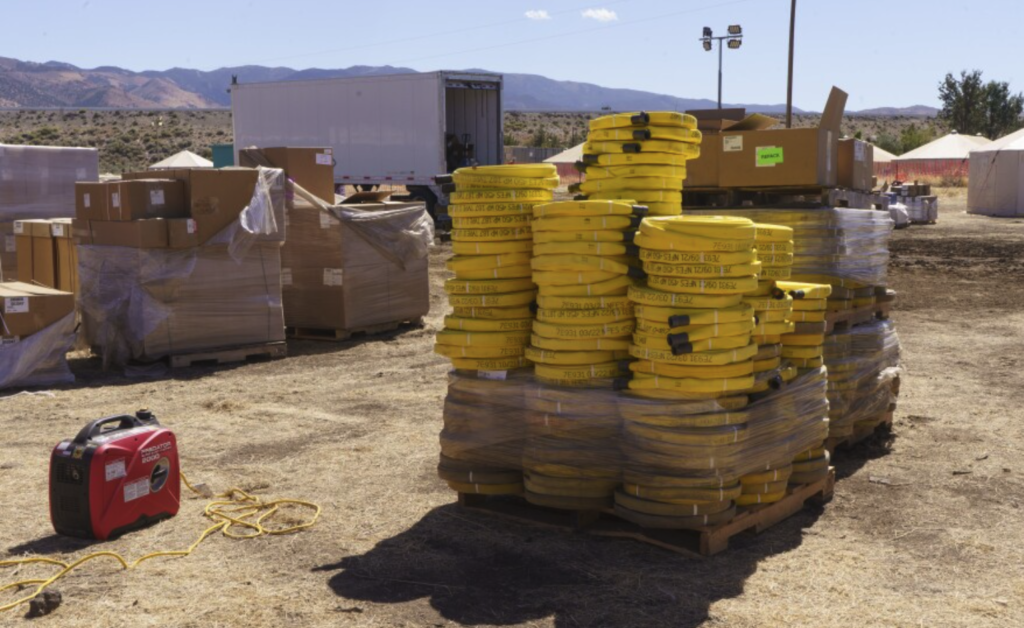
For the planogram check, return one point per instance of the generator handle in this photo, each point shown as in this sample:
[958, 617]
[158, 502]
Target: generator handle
[127, 422]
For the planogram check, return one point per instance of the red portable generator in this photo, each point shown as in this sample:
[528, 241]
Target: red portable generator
[113, 479]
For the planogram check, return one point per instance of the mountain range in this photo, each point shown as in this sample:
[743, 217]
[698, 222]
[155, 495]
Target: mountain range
[55, 84]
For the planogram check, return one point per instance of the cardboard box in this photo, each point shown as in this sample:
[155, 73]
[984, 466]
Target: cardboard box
[8, 252]
[312, 168]
[139, 199]
[139, 234]
[66, 255]
[202, 300]
[182, 233]
[333, 278]
[704, 172]
[28, 308]
[36, 252]
[184, 175]
[92, 201]
[805, 157]
[856, 165]
[218, 197]
[80, 231]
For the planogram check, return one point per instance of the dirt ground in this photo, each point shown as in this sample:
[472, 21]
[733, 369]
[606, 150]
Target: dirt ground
[926, 528]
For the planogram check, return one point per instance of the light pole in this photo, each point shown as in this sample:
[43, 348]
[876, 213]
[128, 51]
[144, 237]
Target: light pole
[789, 82]
[734, 40]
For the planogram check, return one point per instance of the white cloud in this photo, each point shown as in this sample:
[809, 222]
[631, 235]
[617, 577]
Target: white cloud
[601, 15]
[540, 14]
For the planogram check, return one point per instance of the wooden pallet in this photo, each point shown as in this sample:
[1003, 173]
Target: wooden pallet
[341, 335]
[230, 355]
[844, 319]
[861, 434]
[696, 543]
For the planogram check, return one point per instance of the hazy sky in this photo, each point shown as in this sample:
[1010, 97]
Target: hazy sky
[883, 52]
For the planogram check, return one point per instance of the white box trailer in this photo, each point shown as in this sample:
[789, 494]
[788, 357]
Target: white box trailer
[398, 129]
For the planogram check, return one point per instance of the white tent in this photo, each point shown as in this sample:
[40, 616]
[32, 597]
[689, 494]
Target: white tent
[952, 146]
[567, 156]
[883, 156]
[944, 157]
[997, 176]
[564, 162]
[184, 159]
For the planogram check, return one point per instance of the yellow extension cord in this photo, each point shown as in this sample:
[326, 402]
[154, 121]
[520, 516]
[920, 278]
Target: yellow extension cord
[236, 508]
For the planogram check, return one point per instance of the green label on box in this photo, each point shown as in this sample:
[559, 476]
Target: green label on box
[769, 155]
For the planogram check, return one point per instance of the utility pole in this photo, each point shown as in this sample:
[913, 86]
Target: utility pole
[734, 40]
[789, 86]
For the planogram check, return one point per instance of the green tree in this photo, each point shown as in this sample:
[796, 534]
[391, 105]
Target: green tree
[970, 106]
[963, 102]
[1002, 110]
[888, 141]
[913, 136]
[540, 138]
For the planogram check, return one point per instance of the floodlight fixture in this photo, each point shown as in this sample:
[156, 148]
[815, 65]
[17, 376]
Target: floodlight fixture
[733, 40]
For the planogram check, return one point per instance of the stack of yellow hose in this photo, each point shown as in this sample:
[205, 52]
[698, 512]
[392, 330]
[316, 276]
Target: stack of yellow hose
[571, 454]
[492, 290]
[805, 351]
[640, 156]
[772, 307]
[693, 330]
[691, 463]
[810, 301]
[861, 363]
[810, 466]
[583, 264]
[482, 439]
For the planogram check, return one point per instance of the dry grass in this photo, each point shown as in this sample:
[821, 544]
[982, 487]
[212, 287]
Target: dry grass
[354, 426]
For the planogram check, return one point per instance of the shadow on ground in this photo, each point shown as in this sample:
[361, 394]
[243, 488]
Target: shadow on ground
[475, 569]
[90, 372]
[850, 459]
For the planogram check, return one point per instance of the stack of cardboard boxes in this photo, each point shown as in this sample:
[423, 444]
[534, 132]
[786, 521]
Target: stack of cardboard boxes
[46, 254]
[37, 323]
[186, 263]
[350, 266]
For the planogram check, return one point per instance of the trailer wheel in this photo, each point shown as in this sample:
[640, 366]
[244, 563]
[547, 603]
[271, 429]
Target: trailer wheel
[428, 197]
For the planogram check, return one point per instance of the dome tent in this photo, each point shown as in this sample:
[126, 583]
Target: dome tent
[884, 168]
[996, 176]
[184, 159]
[946, 156]
[564, 162]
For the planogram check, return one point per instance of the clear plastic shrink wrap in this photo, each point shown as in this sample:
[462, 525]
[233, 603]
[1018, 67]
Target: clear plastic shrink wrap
[145, 304]
[862, 362]
[663, 463]
[843, 247]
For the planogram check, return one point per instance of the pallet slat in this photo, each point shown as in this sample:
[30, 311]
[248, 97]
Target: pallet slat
[341, 335]
[696, 543]
[230, 355]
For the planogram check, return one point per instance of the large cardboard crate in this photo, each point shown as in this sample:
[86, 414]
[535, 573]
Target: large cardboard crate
[794, 158]
[350, 267]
